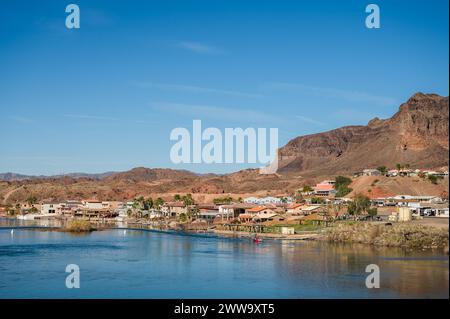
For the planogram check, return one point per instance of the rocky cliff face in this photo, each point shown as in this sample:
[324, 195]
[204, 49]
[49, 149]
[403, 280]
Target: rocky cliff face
[417, 135]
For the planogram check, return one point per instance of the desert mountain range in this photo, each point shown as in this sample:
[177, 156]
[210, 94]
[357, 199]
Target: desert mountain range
[418, 135]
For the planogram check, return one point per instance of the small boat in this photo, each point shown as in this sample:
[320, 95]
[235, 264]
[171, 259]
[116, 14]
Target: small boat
[12, 231]
[257, 240]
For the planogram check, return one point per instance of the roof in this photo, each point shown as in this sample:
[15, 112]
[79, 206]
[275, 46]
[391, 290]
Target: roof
[175, 204]
[239, 205]
[92, 201]
[294, 206]
[48, 202]
[257, 209]
[245, 216]
[310, 208]
[324, 187]
[260, 216]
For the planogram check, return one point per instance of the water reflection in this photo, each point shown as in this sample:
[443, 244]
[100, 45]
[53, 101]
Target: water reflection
[144, 264]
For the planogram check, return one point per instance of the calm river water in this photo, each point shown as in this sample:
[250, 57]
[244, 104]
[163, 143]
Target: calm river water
[148, 264]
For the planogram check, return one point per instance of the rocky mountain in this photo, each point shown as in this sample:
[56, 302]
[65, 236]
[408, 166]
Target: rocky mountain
[416, 135]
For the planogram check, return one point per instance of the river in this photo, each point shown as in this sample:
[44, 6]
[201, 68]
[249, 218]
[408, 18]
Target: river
[120, 263]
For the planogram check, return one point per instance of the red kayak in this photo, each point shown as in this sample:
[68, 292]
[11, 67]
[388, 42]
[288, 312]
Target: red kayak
[257, 240]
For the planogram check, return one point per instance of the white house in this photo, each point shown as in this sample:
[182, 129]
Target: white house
[50, 208]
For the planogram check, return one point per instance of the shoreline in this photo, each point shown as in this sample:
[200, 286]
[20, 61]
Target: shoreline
[401, 235]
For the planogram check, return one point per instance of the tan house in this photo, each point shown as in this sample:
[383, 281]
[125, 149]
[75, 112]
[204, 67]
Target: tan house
[173, 209]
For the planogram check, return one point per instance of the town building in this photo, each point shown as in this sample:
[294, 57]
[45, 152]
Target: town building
[371, 172]
[173, 209]
[325, 189]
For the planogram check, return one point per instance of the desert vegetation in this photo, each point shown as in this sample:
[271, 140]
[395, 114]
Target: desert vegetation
[406, 235]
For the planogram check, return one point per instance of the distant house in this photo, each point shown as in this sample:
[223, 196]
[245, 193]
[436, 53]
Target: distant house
[357, 174]
[260, 210]
[325, 189]
[50, 207]
[392, 172]
[69, 207]
[172, 209]
[234, 210]
[267, 200]
[371, 172]
[310, 209]
[294, 208]
[95, 204]
[266, 217]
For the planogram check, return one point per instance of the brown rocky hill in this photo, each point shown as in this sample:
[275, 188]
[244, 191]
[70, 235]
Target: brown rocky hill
[416, 135]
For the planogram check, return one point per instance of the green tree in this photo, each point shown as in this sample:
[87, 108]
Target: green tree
[341, 186]
[158, 202]
[398, 166]
[372, 212]
[307, 189]
[298, 197]
[223, 200]
[383, 170]
[317, 200]
[148, 203]
[433, 179]
[32, 200]
[360, 204]
[192, 213]
[177, 197]
[188, 200]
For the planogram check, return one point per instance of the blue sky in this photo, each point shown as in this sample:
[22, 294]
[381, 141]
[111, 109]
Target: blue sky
[106, 96]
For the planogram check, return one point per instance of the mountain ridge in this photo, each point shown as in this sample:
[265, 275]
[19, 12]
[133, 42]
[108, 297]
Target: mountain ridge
[417, 135]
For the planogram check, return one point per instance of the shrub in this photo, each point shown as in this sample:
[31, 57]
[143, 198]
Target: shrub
[79, 226]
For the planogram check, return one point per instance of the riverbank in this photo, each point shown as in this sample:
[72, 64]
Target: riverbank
[407, 235]
[305, 236]
[410, 235]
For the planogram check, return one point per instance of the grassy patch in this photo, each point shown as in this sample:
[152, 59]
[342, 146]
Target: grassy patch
[78, 226]
[405, 235]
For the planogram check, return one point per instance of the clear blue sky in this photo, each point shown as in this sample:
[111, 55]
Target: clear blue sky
[106, 96]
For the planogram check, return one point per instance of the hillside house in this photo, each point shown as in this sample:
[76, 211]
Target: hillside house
[371, 172]
[324, 189]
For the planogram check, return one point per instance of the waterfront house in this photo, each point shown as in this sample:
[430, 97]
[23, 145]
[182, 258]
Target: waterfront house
[173, 209]
[266, 217]
[94, 204]
[69, 207]
[50, 207]
[234, 210]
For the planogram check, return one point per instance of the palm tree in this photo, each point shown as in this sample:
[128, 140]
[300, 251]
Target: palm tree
[31, 200]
